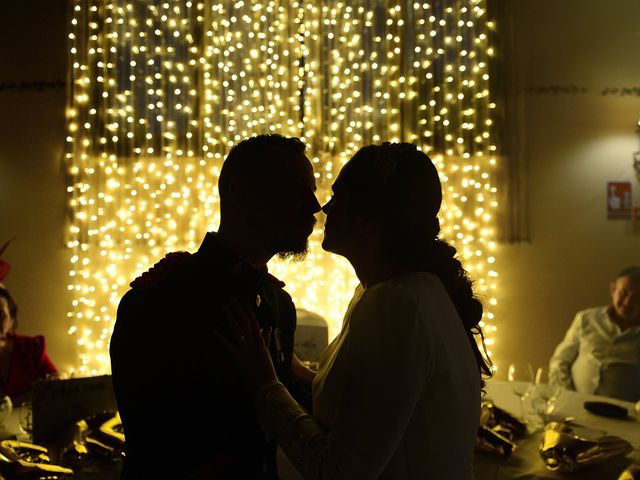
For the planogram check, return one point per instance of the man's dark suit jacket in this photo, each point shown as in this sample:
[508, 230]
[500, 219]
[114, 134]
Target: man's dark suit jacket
[184, 409]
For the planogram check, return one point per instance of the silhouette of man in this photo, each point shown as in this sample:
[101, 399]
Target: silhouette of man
[185, 412]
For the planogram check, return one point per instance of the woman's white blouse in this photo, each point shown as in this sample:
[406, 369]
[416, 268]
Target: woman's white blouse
[397, 395]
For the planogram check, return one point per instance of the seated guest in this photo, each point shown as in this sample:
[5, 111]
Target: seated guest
[23, 359]
[600, 352]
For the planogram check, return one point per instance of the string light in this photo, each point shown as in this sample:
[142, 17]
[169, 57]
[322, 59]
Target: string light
[160, 92]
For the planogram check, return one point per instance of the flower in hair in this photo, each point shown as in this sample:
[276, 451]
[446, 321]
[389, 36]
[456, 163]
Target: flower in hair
[387, 158]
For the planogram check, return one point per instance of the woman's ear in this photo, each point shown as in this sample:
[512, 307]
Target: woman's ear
[369, 229]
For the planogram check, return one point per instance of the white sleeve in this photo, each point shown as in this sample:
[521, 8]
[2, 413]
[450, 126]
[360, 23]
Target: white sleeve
[565, 354]
[389, 360]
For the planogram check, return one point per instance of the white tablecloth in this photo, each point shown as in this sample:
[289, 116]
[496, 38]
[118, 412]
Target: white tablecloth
[526, 463]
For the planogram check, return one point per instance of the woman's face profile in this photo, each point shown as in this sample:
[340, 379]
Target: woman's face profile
[332, 222]
[337, 223]
[344, 229]
[6, 321]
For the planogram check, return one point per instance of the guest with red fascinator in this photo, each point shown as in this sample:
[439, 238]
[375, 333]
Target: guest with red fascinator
[23, 359]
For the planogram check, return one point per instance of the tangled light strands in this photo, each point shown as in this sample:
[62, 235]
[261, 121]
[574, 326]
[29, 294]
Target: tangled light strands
[416, 72]
[137, 184]
[160, 91]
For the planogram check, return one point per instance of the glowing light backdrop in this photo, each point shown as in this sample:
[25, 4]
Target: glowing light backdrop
[161, 91]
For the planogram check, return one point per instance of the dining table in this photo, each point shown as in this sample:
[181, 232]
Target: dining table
[526, 463]
[16, 424]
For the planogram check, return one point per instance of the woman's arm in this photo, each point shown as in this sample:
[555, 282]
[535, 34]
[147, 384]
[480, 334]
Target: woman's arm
[300, 373]
[384, 365]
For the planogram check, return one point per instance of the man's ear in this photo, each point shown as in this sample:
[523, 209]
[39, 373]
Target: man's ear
[240, 190]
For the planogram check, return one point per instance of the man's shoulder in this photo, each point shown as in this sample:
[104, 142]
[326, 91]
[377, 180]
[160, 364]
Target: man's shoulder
[592, 313]
[166, 277]
[590, 317]
[167, 269]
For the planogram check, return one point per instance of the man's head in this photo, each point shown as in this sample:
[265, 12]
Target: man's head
[625, 295]
[267, 190]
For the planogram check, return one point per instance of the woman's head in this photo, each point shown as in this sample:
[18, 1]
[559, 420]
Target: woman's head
[392, 186]
[8, 312]
[392, 192]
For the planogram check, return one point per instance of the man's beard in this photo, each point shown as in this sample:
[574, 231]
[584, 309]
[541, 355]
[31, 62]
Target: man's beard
[296, 255]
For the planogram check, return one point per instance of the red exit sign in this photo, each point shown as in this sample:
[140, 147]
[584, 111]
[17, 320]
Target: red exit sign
[618, 200]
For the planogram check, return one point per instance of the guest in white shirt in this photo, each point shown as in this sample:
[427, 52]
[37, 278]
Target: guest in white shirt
[397, 395]
[600, 353]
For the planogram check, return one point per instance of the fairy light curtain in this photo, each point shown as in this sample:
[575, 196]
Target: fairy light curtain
[160, 92]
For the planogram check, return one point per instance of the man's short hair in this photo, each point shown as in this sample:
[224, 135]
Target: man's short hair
[250, 152]
[632, 272]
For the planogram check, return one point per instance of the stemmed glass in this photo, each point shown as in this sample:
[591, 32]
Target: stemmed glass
[520, 376]
[25, 419]
[545, 394]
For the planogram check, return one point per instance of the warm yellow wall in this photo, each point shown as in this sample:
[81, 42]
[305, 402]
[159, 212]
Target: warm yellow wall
[33, 48]
[573, 144]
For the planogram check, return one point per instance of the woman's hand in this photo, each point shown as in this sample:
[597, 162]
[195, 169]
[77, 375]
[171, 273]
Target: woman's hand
[248, 345]
[300, 373]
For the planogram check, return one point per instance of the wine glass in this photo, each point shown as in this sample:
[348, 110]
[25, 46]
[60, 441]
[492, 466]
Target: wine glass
[545, 394]
[520, 376]
[6, 407]
[25, 419]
